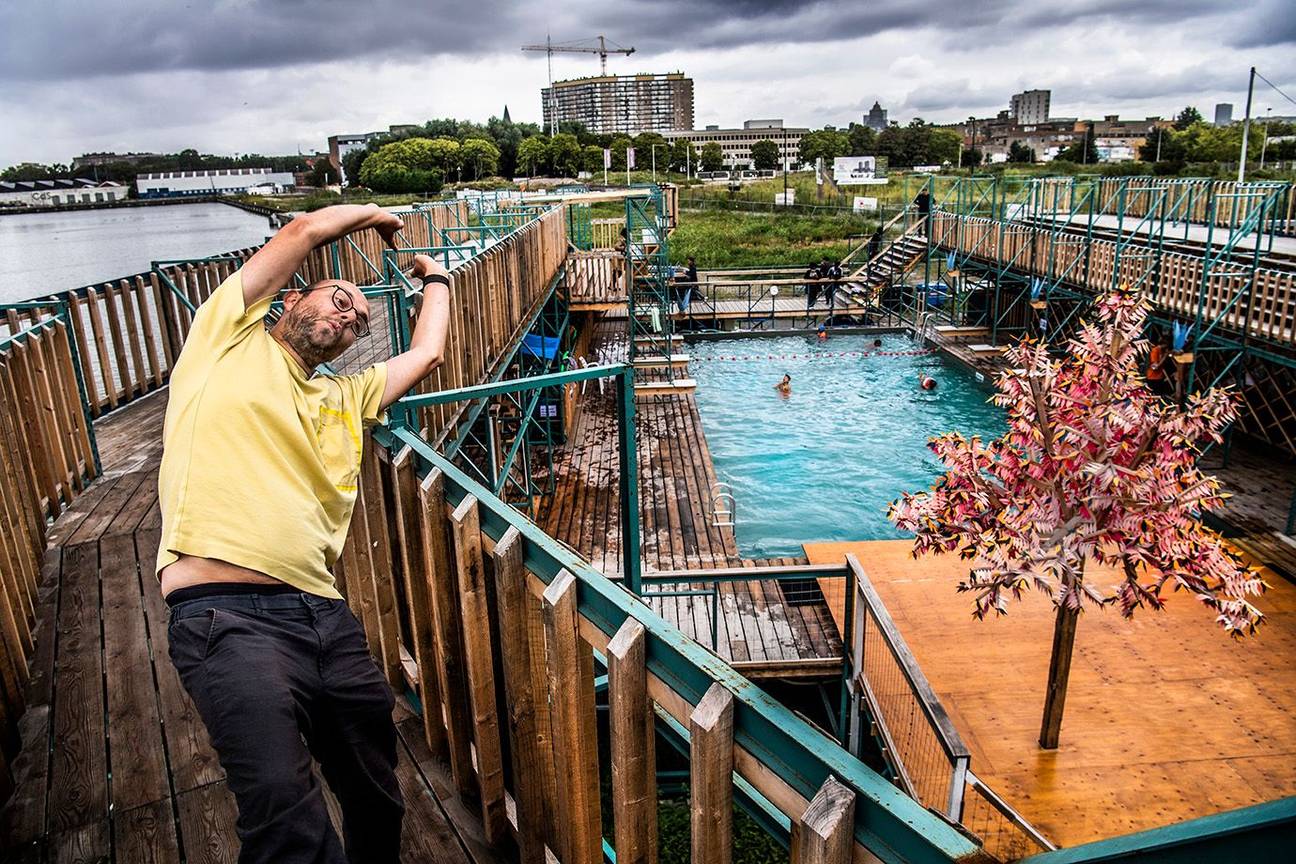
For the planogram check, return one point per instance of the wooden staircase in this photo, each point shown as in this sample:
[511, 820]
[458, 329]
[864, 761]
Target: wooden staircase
[887, 267]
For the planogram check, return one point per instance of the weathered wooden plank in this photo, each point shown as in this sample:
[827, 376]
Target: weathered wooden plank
[384, 586]
[111, 293]
[634, 759]
[134, 725]
[146, 834]
[207, 816]
[444, 596]
[104, 376]
[480, 666]
[418, 596]
[522, 700]
[79, 776]
[193, 760]
[570, 665]
[85, 844]
[825, 832]
[711, 763]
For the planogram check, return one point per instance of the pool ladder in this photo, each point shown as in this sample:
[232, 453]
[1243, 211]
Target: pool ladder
[722, 505]
[920, 334]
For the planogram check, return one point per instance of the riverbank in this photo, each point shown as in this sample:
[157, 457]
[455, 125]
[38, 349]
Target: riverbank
[249, 206]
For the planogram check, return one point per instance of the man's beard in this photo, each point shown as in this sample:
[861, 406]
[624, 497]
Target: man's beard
[298, 331]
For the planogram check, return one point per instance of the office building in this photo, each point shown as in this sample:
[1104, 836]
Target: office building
[1030, 107]
[1223, 113]
[736, 144]
[627, 104]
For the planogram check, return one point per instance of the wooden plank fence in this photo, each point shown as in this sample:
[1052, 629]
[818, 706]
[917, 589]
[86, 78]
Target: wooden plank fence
[459, 608]
[46, 459]
[1264, 307]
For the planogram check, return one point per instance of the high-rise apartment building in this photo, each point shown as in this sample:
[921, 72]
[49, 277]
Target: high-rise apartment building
[622, 103]
[1031, 106]
[1223, 113]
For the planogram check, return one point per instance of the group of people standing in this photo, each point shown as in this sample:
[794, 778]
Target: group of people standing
[822, 279]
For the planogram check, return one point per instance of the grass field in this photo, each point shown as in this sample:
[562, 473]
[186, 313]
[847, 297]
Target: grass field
[722, 239]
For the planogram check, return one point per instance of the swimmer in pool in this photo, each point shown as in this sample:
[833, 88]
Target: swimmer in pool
[877, 343]
[926, 382]
[823, 332]
[785, 386]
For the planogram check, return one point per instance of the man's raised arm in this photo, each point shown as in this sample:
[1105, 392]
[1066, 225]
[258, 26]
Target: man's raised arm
[272, 267]
[428, 341]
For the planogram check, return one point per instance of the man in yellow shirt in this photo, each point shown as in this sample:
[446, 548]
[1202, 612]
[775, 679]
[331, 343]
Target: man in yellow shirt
[257, 484]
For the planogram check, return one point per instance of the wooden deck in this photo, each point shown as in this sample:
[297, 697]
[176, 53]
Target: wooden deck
[116, 764]
[1166, 718]
[764, 627]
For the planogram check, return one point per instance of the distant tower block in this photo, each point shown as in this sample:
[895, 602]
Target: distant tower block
[877, 117]
[1223, 113]
[1030, 106]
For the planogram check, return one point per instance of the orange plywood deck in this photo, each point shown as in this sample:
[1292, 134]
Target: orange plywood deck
[1166, 717]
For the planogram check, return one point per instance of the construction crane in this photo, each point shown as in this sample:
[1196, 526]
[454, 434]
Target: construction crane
[581, 46]
[577, 47]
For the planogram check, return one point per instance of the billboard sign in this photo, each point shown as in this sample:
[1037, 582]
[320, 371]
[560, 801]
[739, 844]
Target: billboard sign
[856, 170]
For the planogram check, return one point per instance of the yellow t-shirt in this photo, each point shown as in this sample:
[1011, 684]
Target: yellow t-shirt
[260, 462]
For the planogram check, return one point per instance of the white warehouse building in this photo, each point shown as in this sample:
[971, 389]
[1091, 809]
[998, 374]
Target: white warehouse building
[45, 193]
[220, 181]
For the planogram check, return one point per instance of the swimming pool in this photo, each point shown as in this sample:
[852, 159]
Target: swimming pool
[824, 462]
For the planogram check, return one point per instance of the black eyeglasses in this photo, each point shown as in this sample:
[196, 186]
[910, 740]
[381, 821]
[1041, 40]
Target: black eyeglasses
[342, 300]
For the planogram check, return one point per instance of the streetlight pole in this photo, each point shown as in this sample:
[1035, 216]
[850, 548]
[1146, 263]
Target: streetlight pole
[1246, 128]
[783, 153]
[1265, 145]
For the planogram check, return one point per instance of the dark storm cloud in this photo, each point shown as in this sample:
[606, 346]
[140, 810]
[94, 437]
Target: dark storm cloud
[58, 39]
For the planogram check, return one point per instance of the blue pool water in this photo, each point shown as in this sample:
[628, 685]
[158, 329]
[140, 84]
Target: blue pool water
[824, 462]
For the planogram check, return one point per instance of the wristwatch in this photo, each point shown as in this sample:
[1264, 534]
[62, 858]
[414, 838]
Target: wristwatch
[436, 278]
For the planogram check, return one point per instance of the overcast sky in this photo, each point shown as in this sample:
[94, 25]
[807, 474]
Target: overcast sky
[275, 76]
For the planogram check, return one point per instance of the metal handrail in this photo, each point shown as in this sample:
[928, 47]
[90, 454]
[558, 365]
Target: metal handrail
[949, 738]
[1005, 809]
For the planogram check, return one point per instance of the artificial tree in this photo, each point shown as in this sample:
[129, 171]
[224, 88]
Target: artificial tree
[1094, 466]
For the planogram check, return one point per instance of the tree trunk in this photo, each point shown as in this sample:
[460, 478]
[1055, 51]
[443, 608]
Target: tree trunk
[1064, 630]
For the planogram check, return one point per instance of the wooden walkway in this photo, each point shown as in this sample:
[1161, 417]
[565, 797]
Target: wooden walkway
[1167, 718]
[116, 764]
[764, 627]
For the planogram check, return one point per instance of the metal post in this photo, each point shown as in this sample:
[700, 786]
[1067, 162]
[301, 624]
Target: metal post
[629, 481]
[1246, 128]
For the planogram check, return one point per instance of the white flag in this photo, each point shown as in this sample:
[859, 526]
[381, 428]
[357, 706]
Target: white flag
[607, 158]
[629, 157]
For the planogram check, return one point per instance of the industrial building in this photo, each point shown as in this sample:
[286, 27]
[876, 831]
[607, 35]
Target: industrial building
[47, 193]
[612, 104]
[736, 144]
[220, 181]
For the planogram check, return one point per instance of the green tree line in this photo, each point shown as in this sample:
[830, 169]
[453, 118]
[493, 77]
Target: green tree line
[124, 172]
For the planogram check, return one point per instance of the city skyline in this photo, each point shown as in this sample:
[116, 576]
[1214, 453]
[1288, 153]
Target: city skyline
[262, 79]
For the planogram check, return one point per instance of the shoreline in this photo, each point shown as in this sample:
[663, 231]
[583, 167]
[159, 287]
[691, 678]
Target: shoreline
[269, 212]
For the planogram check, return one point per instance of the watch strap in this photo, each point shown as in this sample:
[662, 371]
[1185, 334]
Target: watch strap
[436, 278]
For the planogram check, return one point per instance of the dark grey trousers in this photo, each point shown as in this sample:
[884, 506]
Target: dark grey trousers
[278, 679]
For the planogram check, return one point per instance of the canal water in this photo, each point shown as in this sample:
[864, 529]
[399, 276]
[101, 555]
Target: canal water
[43, 253]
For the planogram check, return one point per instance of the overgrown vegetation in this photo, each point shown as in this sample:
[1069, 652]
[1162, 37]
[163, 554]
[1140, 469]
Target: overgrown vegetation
[726, 239]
